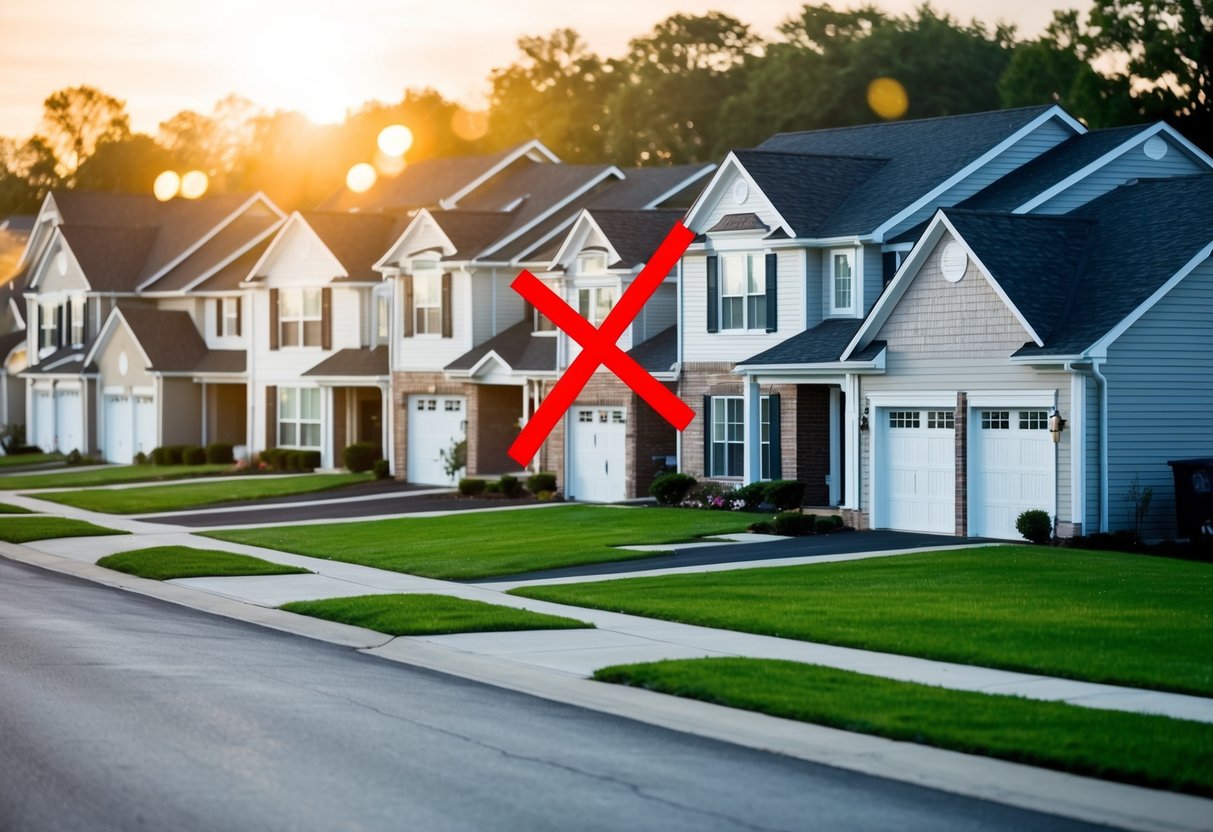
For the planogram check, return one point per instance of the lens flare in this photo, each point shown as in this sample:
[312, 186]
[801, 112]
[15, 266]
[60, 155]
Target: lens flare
[194, 184]
[389, 165]
[395, 140]
[166, 185]
[361, 178]
[888, 98]
[469, 125]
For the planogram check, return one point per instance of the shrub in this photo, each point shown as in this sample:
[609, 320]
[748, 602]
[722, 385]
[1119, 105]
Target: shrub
[75, 457]
[785, 494]
[795, 524]
[753, 495]
[174, 454]
[544, 496]
[671, 489]
[762, 527]
[829, 523]
[142, 459]
[276, 457]
[361, 456]
[469, 487]
[193, 455]
[1035, 525]
[158, 456]
[219, 453]
[303, 461]
[713, 495]
[381, 468]
[493, 487]
[543, 481]
[510, 486]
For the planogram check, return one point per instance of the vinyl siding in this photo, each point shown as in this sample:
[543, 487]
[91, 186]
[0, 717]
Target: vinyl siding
[812, 262]
[873, 276]
[431, 353]
[1091, 516]
[754, 203]
[1043, 138]
[1160, 400]
[495, 306]
[1132, 164]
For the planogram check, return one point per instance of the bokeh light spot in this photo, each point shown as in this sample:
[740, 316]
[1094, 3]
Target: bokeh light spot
[166, 185]
[389, 165]
[194, 184]
[888, 98]
[395, 140]
[361, 178]
[469, 125]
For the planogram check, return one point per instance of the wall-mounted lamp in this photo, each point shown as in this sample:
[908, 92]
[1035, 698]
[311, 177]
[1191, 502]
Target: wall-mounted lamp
[1056, 426]
[863, 420]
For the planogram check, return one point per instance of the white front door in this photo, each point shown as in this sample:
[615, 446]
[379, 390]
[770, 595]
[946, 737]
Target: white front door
[436, 424]
[916, 478]
[1011, 470]
[69, 421]
[145, 424]
[597, 454]
[41, 431]
[118, 429]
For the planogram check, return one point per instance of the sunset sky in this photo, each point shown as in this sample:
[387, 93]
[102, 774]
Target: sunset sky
[163, 56]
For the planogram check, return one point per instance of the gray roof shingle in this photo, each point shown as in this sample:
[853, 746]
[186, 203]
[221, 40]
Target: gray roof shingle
[659, 353]
[353, 362]
[517, 347]
[821, 344]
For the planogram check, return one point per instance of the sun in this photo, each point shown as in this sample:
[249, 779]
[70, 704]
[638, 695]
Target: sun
[294, 68]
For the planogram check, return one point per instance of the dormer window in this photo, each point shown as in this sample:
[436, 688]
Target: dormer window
[48, 326]
[299, 317]
[427, 300]
[382, 310]
[842, 282]
[743, 299]
[592, 262]
[595, 304]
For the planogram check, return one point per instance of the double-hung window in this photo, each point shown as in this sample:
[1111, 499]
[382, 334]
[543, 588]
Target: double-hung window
[727, 445]
[48, 323]
[382, 307]
[427, 302]
[299, 417]
[299, 318]
[229, 317]
[77, 313]
[595, 304]
[842, 281]
[743, 298]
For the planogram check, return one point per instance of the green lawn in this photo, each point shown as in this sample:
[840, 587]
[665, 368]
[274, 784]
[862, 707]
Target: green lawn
[481, 545]
[1147, 750]
[109, 475]
[18, 460]
[1101, 616]
[161, 563]
[428, 615]
[5, 508]
[25, 529]
[155, 498]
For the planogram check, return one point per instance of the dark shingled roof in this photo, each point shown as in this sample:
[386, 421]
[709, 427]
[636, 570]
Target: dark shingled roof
[66, 360]
[922, 154]
[471, 231]
[635, 235]
[517, 347]
[231, 238]
[169, 338]
[356, 240]
[222, 361]
[229, 278]
[808, 188]
[11, 341]
[659, 353]
[738, 222]
[642, 187]
[1046, 170]
[353, 362]
[110, 256]
[820, 345]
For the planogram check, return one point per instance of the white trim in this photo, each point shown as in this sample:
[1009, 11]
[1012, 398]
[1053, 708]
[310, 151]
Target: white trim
[1078, 448]
[856, 279]
[266, 262]
[584, 217]
[106, 333]
[852, 450]
[207, 275]
[1003, 399]
[113, 390]
[38, 269]
[394, 255]
[909, 401]
[711, 193]
[525, 149]
[1054, 111]
[1111, 156]
[68, 385]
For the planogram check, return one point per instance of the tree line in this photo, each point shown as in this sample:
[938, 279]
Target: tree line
[687, 91]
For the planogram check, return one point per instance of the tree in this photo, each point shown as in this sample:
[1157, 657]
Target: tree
[76, 119]
[126, 165]
[27, 175]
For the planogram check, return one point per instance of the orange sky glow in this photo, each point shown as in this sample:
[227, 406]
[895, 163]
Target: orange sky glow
[164, 56]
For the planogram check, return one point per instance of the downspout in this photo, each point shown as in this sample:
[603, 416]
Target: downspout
[1102, 381]
[250, 395]
[678, 341]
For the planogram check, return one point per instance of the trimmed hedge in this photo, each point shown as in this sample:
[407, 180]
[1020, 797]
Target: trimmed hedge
[470, 487]
[220, 453]
[543, 481]
[382, 470]
[361, 456]
[784, 495]
[510, 486]
[671, 489]
[795, 524]
[193, 455]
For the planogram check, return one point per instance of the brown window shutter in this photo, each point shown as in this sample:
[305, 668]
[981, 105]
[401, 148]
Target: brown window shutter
[326, 318]
[446, 305]
[218, 317]
[273, 319]
[239, 303]
[271, 414]
[407, 281]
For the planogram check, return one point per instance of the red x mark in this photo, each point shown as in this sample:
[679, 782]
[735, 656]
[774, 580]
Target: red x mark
[598, 347]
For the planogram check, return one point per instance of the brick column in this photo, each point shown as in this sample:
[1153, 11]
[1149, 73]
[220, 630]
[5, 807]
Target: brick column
[961, 430]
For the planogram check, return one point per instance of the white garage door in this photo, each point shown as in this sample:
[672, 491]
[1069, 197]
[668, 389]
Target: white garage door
[145, 424]
[42, 430]
[118, 429]
[1011, 465]
[69, 421]
[436, 423]
[597, 448]
[916, 483]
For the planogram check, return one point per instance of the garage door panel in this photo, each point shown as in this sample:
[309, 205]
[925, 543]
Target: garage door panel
[597, 447]
[435, 424]
[1013, 469]
[916, 470]
[69, 419]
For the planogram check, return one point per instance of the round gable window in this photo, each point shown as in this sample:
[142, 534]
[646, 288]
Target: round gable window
[1154, 148]
[953, 262]
[124, 363]
[741, 190]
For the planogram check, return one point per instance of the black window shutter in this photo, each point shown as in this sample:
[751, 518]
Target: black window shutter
[775, 468]
[772, 303]
[707, 436]
[218, 317]
[60, 323]
[407, 283]
[238, 316]
[273, 319]
[326, 318]
[713, 293]
[271, 416]
[447, 330]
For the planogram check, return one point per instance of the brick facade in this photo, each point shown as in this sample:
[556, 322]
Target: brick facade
[408, 384]
[493, 414]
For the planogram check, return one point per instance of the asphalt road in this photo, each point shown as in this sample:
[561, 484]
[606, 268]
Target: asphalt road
[119, 712]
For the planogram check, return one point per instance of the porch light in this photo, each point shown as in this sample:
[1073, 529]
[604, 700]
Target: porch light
[1056, 426]
[863, 420]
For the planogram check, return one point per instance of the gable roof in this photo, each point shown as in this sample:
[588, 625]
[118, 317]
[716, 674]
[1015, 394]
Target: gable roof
[169, 339]
[515, 346]
[658, 354]
[216, 252]
[353, 362]
[356, 240]
[822, 344]
[230, 276]
[110, 257]
[635, 235]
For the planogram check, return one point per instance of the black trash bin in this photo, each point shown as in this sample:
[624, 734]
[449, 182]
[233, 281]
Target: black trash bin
[1193, 496]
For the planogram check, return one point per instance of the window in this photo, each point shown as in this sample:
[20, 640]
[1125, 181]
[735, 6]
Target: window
[996, 419]
[299, 318]
[904, 419]
[229, 323]
[1033, 420]
[299, 417]
[585, 416]
[382, 307]
[842, 281]
[541, 322]
[592, 262]
[48, 326]
[728, 437]
[77, 307]
[595, 304]
[942, 419]
[743, 295]
[427, 303]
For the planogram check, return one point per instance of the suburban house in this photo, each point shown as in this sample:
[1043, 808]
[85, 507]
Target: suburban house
[134, 330]
[14, 236]
[472, 361]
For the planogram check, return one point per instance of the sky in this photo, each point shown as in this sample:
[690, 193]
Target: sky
[164, 56]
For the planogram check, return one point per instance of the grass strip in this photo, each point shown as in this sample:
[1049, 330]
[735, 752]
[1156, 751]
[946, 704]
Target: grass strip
[6, 508]
[162, 563]
[1107, 617]
[480, 545]
[110, 475]
[25, 529]
[429, 615]
[1145, 750]
[152, 499]
[21, 460]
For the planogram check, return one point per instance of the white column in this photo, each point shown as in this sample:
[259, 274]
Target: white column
[752, 407]
[326, 428]
[1077, 430]
[850, 443]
